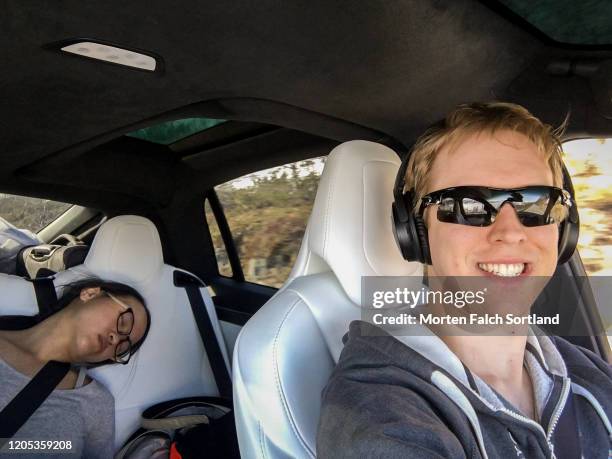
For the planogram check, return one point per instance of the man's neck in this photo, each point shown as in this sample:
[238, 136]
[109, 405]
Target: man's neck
[493, 358]
[498, 361]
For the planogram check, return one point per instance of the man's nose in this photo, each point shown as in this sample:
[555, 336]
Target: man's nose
[507, 227]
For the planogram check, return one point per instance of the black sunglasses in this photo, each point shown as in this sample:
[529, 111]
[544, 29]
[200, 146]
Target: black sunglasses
[479, 205]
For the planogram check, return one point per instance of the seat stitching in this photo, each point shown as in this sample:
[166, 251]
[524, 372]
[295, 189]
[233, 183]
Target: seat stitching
[366, 253]
[277, 380]
[326, 215]
[261, 439]
[310, 308]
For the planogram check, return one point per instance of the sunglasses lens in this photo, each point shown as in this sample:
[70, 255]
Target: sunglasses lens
[558, 212]
[536, 208]
[475, 212]
[446, 211]
[531, 214]
[465, 211]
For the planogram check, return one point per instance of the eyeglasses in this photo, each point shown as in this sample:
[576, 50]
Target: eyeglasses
[125, 325]
[479, 205]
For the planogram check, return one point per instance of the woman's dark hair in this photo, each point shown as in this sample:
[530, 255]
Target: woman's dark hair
[73, 291]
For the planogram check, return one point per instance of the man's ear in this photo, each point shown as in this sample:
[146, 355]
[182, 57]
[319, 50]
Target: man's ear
[89, 293]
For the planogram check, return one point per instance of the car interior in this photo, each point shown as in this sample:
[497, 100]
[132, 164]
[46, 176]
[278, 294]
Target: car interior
[261, 84]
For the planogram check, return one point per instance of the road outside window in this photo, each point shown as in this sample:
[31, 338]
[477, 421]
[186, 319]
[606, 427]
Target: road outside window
[32, 214]
[267, 214]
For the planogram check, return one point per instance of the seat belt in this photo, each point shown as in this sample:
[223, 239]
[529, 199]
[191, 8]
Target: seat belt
[18, 411]
[192, 286]
[15, 414]
[44, 288]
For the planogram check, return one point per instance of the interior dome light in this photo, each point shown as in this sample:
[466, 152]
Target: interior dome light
[112, 54]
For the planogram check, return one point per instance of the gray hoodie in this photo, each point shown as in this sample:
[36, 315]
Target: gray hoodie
[412, 397]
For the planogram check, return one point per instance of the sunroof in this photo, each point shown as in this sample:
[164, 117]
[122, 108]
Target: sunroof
[585, 22]
[172, 131]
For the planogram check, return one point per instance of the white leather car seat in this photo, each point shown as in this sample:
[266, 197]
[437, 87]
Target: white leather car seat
[285, 353]
[171, 363]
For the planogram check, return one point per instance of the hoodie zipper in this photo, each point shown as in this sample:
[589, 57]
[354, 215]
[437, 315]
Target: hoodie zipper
[530, 422]
[558, 410]
[554, 418]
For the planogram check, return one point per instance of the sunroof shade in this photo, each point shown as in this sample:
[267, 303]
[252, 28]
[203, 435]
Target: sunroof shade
[584, 22]
[172, 131]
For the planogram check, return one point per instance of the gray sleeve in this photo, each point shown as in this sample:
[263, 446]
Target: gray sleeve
[365, 414]
[100, 425]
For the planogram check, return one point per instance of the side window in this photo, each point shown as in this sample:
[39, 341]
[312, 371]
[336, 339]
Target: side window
[589, 162]
[267, 212]
[31, 214]
[223, 263]
[20, 219]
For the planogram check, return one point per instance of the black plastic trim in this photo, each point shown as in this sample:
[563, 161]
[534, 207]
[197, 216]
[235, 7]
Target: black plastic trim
[226, 235]
[243, 297]
[231, 315]
[599, 343]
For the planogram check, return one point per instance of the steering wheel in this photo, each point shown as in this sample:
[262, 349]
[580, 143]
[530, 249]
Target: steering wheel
[66, 239]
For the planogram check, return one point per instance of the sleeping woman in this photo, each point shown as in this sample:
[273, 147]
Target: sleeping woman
[99, 323]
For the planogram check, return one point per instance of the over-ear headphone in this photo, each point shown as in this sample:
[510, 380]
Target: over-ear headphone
[411, 233]
[569, 229]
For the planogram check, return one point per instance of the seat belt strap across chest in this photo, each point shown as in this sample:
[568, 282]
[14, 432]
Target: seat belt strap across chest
[192, 286]
[44, 289]
[26, 402]
[15, 414]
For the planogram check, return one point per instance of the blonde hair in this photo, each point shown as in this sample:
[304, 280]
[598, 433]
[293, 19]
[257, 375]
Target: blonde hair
[476, 118]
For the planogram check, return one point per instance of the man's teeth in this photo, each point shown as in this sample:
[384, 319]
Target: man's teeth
[507, 270]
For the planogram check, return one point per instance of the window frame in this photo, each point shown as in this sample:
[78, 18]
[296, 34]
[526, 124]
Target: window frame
[226, 236]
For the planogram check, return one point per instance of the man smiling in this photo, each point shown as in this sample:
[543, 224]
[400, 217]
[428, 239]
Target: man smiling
[485, 190]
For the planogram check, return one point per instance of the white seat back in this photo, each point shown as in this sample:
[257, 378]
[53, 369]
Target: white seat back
[285, 354]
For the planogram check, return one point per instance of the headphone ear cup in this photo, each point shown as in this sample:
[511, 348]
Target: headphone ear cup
[402, 233]
[569, 230]
[410, 233]
[423, 238]
[406, 234]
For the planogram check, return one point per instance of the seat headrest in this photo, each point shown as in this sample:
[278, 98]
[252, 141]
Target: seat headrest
[350, 227]
[126, 249]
